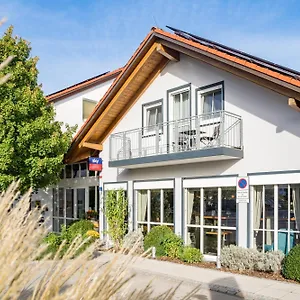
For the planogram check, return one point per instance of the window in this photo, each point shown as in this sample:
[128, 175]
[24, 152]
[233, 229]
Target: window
[210, 99]
[87, 108]
[276, 229]
[155, 207]
[210, 218]
[152, 115]
[181, 105]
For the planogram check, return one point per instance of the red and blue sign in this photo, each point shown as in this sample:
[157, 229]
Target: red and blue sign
[95, 164]
[242, 183]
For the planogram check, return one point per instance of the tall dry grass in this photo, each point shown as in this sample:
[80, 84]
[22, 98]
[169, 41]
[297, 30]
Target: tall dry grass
[24, 277]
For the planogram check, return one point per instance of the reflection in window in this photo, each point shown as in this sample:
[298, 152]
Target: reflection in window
[168, 198]
[69, 203]
[68, 171]
[61, 202]
[210, 209]
[55, 202]
[76, 171]
[155, 208]
[228, 214]
[81, 203]
[92, 198]
[83, 170]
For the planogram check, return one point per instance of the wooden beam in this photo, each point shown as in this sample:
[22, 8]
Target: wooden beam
[120, 91]
[137, 95]
[77, 156]
[98, 147]
[168, 53]
[295, 104]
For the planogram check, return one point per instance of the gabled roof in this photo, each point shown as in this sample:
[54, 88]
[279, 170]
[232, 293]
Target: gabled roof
[155, 51]
[83, 85]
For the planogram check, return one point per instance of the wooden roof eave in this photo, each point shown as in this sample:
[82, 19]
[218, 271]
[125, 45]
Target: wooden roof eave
[140, 77]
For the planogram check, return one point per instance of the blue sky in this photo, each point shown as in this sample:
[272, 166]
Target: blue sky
[78, 39]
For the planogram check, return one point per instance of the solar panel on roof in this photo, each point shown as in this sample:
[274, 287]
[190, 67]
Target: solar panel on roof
[259, 61]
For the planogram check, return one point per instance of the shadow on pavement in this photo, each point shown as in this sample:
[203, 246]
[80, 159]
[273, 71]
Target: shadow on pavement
[226, 285]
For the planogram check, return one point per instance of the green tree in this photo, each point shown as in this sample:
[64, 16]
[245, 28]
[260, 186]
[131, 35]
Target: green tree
[32, 144]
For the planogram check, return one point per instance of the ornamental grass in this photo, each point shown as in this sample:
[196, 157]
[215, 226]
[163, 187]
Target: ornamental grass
[24, 276]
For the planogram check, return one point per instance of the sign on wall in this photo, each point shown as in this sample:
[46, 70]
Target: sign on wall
[242, 190]
[95, 164]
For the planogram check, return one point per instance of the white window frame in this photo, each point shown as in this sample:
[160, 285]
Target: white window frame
[87, 100]
[146, 108]
[148, 221]
[172, 95]
[276, 230]
[201, 92]
[207, 184]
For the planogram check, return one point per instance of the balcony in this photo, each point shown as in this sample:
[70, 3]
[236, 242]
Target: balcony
[206, 137]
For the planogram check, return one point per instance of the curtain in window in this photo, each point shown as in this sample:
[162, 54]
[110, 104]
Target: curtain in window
[296, 202]
[142, 206]
[176, 107]
[185, 105]
[217, 101]
[151, 117]
[257, 209]
[190, 205]
[207, 103]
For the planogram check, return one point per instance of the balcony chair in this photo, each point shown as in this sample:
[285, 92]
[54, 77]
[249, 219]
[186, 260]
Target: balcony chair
[207, 140]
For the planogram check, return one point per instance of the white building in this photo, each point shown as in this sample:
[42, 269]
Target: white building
[185, 119]
[73, 105]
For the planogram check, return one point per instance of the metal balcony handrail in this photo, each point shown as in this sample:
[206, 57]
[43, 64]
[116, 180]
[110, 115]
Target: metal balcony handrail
[153, 127]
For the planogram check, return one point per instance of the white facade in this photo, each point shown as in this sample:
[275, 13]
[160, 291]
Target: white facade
[70, 109]
[78, 183]
[271, 131]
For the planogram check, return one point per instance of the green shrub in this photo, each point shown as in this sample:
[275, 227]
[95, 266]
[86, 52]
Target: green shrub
[291, 264]
[156, 238]
[173, 245]
[68, 234]
[77, 228]
[191, 255]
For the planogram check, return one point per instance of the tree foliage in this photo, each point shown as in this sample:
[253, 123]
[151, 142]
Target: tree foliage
[32, 144]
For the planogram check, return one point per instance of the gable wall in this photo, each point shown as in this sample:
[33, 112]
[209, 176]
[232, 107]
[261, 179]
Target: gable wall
[271, 129]
[69, 110]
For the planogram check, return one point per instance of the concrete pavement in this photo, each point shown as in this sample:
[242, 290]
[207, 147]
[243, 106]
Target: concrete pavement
[243, 286]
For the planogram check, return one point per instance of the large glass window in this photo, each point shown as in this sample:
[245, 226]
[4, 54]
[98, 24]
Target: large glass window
[154, 207]
[210, 218]
[92, 198]
[69, 203]
[268, 223]
[80, 203]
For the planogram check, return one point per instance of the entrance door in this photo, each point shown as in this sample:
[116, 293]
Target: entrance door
[210, 218]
